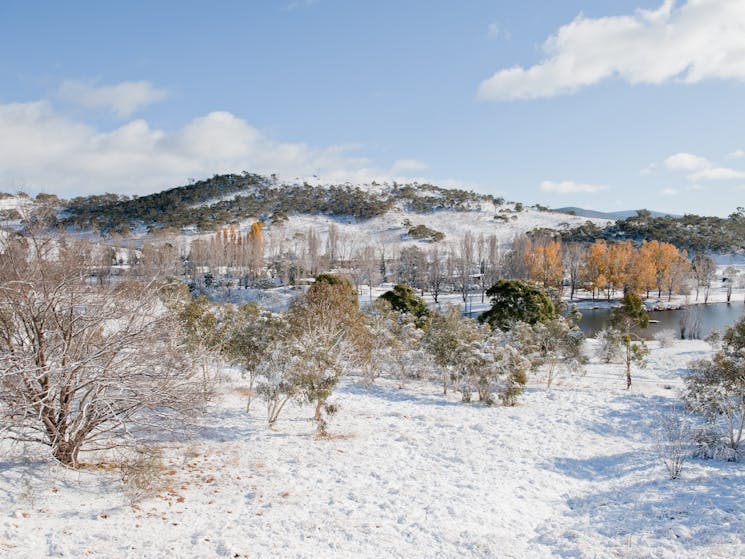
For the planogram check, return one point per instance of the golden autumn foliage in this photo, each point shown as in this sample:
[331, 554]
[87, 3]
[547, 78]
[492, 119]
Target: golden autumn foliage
[610, 267]
[595, 271]
[545, 266]
[644, 268]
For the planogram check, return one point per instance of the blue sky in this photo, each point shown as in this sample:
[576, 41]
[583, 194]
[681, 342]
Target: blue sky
[603, 104]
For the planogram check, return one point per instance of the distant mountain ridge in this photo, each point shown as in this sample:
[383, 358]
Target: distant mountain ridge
[624, 214]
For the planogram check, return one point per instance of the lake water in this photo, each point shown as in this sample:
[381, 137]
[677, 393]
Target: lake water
[700, 320]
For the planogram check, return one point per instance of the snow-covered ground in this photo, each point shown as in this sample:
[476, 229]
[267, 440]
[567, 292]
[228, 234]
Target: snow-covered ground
[570, 472]
[14, 202]
[388, 230]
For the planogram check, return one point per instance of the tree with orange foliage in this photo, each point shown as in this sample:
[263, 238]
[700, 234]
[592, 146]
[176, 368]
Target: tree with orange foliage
[654, 265]
[545, 263]
[671, 267]
[256, 247]
[643, 275]
[595, 267]
[618, 266]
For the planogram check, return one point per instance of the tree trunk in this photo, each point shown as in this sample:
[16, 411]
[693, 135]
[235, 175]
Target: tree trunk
[251, 379]
[66, 453]
[628, 365]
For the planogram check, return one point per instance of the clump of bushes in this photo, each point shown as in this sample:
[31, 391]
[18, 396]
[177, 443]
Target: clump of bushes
[422, 232]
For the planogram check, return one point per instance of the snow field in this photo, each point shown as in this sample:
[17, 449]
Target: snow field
[569, 472]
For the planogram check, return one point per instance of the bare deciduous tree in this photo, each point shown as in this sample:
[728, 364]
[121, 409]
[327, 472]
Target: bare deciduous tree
[82, 364]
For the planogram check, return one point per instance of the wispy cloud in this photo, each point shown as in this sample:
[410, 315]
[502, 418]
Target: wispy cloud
[406, 165]
[570, 187]
[686, 162]
[717, 174]
[497, 31]
[296, 4]
[124, 99]
[700, 168]
[700, 40]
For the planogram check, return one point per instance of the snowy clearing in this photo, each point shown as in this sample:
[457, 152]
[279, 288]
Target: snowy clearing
[569, 472]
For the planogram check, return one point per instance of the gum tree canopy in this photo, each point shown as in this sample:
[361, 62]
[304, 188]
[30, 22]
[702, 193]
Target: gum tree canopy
[517, 301]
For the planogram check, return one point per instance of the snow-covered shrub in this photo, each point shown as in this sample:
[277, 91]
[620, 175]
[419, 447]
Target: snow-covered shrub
[666, 338]
[446, 333]
[672, 436]
[408, 357]
[555, 344]
[609, 345]
[714, 339]
[325, 336]
[249, 341]
[276, 385]
[484, 362]
[716, 388]
[395, 345]
[515, 367]
[708, 444]
[477, 365]
[497, 368]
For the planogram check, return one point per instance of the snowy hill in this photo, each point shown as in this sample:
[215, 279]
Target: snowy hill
[381, 214]
[389, 229]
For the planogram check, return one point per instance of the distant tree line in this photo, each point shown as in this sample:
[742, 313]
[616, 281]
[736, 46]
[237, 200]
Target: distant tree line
[695, 233]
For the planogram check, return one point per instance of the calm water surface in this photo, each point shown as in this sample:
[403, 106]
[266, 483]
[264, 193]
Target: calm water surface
[698, 319]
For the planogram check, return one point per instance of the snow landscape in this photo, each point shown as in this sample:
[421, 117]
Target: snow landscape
[323, 279]
[574, 470]
[570, 472]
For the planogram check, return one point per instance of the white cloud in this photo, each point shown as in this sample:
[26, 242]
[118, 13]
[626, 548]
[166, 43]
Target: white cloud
[669, 191]
[717, 173]
[124, 99]
[405, 165]
[701, 169]
[570, 187]
[700, 40]
[686, 162]
[737, 154]
[46, 151]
